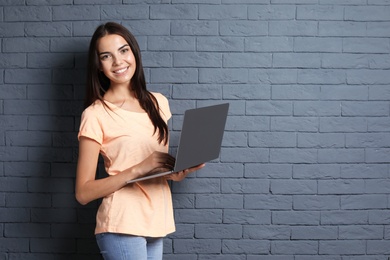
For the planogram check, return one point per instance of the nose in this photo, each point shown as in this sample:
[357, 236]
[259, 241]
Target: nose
[117, 60]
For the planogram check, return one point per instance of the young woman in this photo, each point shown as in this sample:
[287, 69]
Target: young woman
[127, 125]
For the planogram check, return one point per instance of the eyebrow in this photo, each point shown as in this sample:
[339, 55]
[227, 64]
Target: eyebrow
[120, 48]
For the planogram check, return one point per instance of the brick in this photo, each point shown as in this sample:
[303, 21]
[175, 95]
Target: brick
[250, 217]
[176, 75]
[328, 76]
[175, 12]
[296, 60]
[171, 43]
[27, 230]
[320, 140]
[221, 12]
[295, 92]
[371, 77]
[361, 232]
[12, 184]
[51, 245]
[378, 29]
[30, 76]
[318, 44]
[366, 171]
[26, 169]
[293, 28]
[247, 155]
[311, 233]
[378, 61]
[21, 200]
[14, 215]
[355, 61]
[223, 75]
[225, 170]
[191, 27]
[343, 124]
[222, 201]
[26, 45]
[52, 29]
[317, 108]
[289, 187]
[193, 185]
[329, 155]
[245, 186]
[10, 60]
[341, 28]
[368, 13]
[377, 155]
[378, 247]
[266, 232]
[245, 246]
[268, 171]
[246, 60]
[222, 231]
[378, 217]
[344, 217]
[368, 201]
[269, 44]
[246, 91]
[197, 59]
[264, 202]
[368, 140]
[321, 12]
[116, 12]
[11, 245]
[269, 108]
[16, 154]
[27, 13]
[293, 155]
[341, 186]
[378, 124]
[74, 13]
[273, 76]
[53, 215]
[310, 202]
[202, 246]
[269, 139]
[28, 107]
[316, 171]
[296, 218]
[294, 247]
[271, 12]
[344, 92]
[243, 28]
[239, 139]
[367, 45]
[342, 247]
[292, 124]
[219, 44]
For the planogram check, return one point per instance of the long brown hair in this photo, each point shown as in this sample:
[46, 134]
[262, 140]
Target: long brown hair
[98, 83]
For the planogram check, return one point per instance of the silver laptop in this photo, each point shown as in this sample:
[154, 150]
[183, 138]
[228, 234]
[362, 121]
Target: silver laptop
[200, 138]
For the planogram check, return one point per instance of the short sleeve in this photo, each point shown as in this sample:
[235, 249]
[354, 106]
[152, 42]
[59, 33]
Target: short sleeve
[90, 126]
[164, 106]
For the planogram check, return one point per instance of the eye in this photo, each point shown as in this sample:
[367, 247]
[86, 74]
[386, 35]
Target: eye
[123, 51]
[104, 57]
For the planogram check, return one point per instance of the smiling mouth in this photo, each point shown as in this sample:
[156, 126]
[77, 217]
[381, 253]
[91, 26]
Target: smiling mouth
[121, 70]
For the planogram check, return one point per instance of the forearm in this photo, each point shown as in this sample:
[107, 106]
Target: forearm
[96, 189]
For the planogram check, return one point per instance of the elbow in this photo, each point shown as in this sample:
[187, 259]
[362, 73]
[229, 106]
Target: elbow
[81, 199]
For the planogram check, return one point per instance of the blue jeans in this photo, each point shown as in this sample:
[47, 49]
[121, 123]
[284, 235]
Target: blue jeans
[126, 247]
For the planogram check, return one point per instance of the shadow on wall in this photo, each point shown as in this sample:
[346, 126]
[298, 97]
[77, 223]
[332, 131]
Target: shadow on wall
[59, 226]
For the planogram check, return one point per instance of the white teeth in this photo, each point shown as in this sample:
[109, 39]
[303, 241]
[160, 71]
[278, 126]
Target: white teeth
[120, 71]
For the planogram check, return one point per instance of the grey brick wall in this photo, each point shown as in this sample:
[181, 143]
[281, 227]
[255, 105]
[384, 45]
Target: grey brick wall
[304, 169]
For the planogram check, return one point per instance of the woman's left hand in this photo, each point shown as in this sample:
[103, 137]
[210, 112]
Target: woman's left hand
[179, 176]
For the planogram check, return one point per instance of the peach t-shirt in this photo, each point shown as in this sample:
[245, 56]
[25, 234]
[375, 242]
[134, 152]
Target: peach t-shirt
[126, 138]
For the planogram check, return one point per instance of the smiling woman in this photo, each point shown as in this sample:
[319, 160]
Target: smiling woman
[127, 125]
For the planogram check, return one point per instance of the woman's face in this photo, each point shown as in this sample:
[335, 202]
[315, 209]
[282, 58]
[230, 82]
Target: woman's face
[117, 61]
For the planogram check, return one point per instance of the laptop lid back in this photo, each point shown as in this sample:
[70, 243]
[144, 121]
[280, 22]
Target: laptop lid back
[201, 136]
